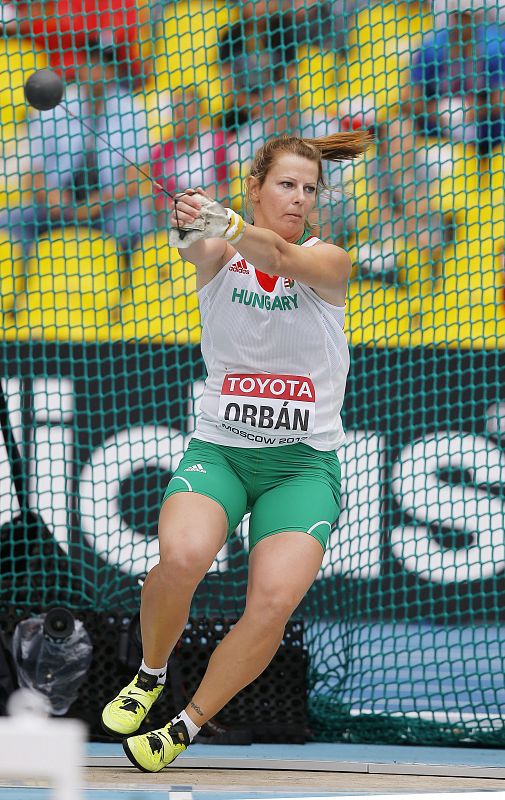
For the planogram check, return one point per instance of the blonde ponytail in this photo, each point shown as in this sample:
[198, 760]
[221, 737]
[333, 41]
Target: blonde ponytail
[341, 146]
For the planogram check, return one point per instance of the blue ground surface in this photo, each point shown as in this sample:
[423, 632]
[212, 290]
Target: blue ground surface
[132, 794]
[479, 757]
[411, 668]
[378, 754]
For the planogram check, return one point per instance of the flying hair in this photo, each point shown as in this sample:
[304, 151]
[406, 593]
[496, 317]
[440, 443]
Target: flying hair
[337, 147]
[341, 146]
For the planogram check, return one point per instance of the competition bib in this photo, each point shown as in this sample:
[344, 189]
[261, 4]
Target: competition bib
[268, 409]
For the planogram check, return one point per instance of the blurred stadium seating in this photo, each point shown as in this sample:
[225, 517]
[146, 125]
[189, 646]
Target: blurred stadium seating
[161, 302]
[74, 277]
[18, 59]
[377, 64]
[11, 282]
[72, 289]
[186, 50]
[468, 310]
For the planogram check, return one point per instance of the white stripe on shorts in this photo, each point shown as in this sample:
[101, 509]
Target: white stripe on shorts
[317, 524]
[180, 478]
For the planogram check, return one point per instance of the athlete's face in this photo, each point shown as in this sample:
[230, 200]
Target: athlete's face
[287, 197]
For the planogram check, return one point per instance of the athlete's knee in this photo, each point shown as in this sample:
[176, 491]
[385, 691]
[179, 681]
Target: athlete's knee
[190, 537]
[182, 562]
[272, 607]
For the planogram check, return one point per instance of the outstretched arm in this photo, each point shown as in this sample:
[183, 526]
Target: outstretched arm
[324, 267]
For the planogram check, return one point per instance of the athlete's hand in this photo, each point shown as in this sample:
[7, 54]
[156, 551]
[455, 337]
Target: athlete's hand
[187, 220]
[186, 207]
[196, 216]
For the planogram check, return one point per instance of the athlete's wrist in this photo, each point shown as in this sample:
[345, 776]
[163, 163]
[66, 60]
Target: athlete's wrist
[236, 226]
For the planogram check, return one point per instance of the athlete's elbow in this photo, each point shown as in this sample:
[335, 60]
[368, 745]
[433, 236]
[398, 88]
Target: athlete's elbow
[345, 266]
[276, 261]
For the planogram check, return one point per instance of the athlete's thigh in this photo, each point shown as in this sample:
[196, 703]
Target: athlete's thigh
[192, 529]
[207, 486]
[282, 568]
[303, 504]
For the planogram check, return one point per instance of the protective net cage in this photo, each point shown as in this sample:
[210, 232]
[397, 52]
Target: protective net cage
[101, 371]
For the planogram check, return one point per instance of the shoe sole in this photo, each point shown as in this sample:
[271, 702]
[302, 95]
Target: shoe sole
[134, 761]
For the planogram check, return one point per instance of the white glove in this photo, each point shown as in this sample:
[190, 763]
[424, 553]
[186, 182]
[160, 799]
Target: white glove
[214, 222]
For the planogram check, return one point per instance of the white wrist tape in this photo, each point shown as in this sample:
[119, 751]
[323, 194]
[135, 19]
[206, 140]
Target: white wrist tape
[236, 226]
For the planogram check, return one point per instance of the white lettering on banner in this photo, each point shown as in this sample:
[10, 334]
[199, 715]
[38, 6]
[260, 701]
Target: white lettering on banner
[50, 476]
[195, 395]
[354, 546]
[495, 423]
[100, 484]
[51, 479]
[242, 532]
[53, 400]
[423, 495]
[9, 505]
[279, 404]
[99, 488]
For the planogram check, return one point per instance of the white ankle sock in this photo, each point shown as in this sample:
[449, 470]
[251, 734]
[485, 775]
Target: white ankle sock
[191, 728]
[160, 672]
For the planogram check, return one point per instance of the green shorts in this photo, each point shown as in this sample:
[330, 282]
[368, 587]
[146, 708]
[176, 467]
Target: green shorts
[288, 488]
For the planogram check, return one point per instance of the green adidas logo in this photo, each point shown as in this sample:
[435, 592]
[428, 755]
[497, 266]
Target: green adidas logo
[248, 298]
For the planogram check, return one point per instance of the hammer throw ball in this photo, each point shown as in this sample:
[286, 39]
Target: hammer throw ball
[44, 89]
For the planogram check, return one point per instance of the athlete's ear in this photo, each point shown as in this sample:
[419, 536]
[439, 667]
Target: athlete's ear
[253, 188]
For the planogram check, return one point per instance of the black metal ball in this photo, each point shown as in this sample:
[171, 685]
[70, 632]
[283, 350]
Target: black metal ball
[44, 89]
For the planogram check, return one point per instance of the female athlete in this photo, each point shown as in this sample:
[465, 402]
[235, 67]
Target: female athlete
[272, 299]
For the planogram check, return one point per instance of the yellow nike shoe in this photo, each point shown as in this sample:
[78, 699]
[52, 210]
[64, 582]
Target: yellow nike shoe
[124, 714]
[155, 750]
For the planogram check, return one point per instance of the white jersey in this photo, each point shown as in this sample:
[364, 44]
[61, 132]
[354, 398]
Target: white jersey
[277, 361]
